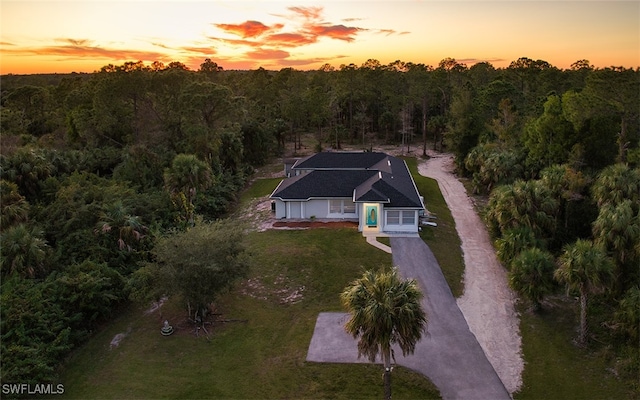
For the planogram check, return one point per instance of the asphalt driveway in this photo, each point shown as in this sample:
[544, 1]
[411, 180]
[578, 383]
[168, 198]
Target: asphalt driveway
[450, 356]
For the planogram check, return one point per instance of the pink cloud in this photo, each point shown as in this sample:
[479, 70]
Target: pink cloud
[307, 12]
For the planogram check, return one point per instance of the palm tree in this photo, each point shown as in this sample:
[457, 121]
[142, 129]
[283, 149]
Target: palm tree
[616, 183]
[585, 268]
[617, 229]
[514, 241]
[531, 275]
[116, 217]
[186, 176]
[24, 251]
[523, 203]
[384, 310]
[13, 206]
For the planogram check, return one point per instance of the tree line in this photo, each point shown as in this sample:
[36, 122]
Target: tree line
[98, 169]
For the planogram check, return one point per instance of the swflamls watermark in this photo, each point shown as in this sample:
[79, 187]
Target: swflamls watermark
[22, 389]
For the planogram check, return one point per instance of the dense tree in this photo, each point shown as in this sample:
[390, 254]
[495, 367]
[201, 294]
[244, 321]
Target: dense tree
[462, 133]
[27, 168]
[550, 137]
[198, 265]
[384, 310]
[616, 91]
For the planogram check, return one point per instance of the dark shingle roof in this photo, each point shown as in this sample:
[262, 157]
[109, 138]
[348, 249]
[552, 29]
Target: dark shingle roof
[367, 177]
[321, 184]
[340, 160]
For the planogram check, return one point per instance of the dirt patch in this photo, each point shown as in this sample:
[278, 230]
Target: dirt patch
[279, 290]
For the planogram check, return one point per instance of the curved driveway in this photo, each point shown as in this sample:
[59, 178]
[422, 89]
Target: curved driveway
[449, 355]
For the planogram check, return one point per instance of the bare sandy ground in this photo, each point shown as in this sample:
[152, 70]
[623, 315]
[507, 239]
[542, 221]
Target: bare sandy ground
[487, 302]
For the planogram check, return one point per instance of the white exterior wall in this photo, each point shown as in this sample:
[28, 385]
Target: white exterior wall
[318, 208]
[281, 209]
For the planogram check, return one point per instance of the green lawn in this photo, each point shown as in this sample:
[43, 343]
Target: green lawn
[555, 367]
[260, 187]
[263, 357]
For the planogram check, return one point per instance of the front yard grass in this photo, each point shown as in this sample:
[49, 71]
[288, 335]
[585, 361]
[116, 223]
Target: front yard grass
[296, 275]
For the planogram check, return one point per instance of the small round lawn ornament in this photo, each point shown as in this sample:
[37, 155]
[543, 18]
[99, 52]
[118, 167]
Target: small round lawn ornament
[166, 329]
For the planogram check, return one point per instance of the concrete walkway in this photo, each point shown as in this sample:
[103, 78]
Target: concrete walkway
[374, 242]
[449, 355]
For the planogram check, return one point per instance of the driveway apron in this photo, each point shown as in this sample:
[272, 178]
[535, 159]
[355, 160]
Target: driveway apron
[449, 355]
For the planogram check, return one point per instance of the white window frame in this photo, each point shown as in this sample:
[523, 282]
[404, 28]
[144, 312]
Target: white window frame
[406, 215]
[394, 217]
[335, 206]
[401, 217]
[342, 206]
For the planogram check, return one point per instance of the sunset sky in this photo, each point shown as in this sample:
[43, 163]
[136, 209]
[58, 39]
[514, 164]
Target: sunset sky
[83, 36]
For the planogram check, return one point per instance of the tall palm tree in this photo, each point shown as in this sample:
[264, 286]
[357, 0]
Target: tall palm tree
[385, 310]
[585, 268]
[531, 275]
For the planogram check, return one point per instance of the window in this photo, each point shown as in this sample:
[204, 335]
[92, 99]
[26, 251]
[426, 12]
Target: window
[399, 217]
[335, 206]
[393, 217]
[349, 207]
[408, 218]
[342, 207]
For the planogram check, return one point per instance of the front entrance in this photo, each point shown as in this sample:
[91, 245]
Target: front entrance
[370, 221]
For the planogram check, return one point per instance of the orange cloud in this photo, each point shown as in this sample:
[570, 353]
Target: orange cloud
[268, 54]
[79, 48]
[248, 29]
[201, 50]
[236, 42]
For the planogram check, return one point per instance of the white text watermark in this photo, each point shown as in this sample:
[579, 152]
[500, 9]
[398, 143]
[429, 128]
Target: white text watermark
[32, 389]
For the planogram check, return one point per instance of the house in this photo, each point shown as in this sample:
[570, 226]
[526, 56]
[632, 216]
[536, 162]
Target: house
[375, 189]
